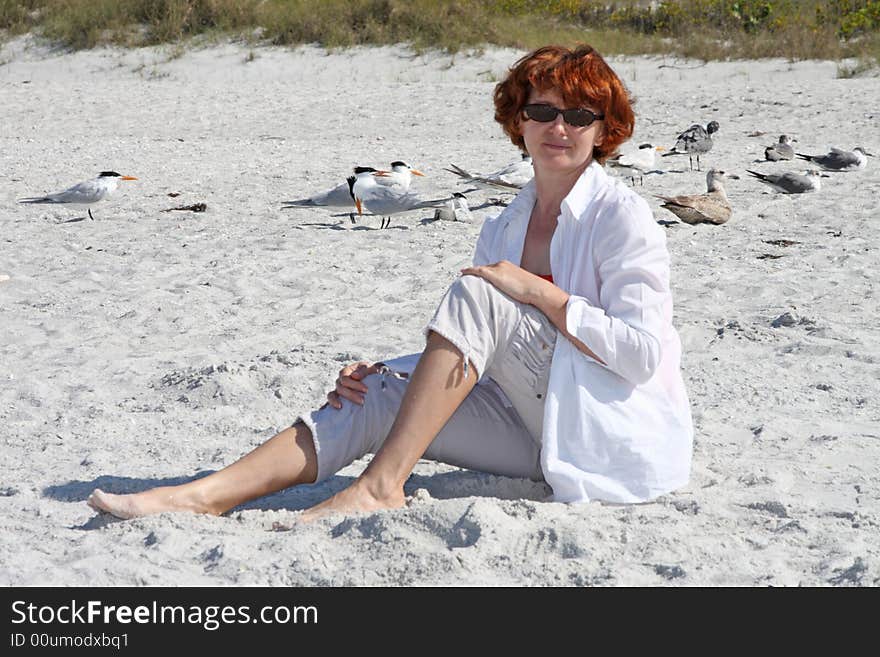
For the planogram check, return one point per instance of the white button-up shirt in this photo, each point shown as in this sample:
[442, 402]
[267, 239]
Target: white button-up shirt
[620, 432]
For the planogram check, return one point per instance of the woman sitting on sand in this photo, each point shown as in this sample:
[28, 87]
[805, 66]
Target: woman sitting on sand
[553, 357]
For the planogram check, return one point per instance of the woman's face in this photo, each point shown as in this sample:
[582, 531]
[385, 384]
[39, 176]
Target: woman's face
[557, 146]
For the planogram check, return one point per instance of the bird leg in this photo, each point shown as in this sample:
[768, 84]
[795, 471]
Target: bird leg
[90, 214]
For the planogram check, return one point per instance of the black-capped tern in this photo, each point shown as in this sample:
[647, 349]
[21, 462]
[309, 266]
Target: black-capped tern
[84, 194]
[510, 178]
[455, 209]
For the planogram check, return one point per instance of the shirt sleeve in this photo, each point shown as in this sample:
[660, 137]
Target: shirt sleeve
[632, 264]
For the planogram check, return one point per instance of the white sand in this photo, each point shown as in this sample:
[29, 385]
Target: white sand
[145, 347]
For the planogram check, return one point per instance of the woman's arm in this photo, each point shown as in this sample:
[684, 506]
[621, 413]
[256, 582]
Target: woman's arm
[624, 332]
[626, 327]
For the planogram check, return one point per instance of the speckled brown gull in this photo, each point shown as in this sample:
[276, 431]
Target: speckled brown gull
[711, 207]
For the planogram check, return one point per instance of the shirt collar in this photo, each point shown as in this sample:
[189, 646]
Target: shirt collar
[585, 189]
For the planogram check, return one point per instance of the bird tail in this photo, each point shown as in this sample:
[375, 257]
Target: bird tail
[759, 176]
[458, 171]
[37, 199]
[672, 151]
[299, 203]
[433, 203]
[808, 158]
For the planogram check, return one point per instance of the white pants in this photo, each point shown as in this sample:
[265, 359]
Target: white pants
[497, 428]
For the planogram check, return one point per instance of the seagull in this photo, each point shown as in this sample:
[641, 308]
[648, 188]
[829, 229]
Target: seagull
[510, 178]
[711, 207]
[86, 193]
[781, 150]
[456, 209]
[694, 142]
[791, 183]
[635, 163]
[840, 160]
[385, 200]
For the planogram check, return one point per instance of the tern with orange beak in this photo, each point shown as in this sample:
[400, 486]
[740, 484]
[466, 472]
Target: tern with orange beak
[385, 200]
[400, 175]
[84, 194]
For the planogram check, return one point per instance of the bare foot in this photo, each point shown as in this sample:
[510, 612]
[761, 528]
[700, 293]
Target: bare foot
[353, 500]
[135, 505]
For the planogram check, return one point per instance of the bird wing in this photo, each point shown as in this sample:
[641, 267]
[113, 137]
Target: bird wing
[512, 184]
[838, 159]
[694, 133]
[85, 192]
[337, 197]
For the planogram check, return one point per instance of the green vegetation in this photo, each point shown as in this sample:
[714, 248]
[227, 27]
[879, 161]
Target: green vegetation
[705, 29]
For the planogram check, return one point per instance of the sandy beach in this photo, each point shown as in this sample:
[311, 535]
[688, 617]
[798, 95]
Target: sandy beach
[146, 347]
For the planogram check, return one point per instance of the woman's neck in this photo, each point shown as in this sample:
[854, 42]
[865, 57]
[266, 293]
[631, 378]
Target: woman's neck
[551, 188]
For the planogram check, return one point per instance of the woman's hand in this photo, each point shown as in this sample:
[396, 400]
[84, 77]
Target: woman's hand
[349, 383]
[514, 281]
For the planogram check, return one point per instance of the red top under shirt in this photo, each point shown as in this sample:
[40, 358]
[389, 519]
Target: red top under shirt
[546, 277]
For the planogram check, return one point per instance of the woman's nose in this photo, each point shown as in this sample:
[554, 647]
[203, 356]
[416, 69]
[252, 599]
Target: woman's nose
[558, 123]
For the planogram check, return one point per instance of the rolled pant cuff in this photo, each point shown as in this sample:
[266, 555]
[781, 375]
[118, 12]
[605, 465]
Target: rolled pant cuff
[462, 344]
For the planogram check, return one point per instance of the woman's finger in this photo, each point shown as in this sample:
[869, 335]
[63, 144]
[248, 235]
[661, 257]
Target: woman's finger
[350, 383]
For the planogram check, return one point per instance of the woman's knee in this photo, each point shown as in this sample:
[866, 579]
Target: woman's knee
[472, 287]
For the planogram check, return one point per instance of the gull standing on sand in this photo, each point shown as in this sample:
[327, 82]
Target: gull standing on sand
[694, 141]
[840, 160]
[781, 150]
[510, 178]
[84, 194]
[635, 163]
[791, 183]
[711, 207]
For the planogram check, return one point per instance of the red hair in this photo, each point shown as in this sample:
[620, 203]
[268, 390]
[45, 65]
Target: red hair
[582, 78]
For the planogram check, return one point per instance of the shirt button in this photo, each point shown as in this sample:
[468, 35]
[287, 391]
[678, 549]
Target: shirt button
[540, 395]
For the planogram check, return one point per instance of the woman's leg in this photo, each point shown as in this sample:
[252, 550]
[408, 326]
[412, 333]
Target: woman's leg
[436, 389]
[481, 324]
[285, 460]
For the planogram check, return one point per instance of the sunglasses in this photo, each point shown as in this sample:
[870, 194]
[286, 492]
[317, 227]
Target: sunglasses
[580, 118]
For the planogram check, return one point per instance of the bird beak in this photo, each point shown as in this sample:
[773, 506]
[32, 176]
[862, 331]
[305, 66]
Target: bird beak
[824, 175]
[733, 176]
[659, 148]
[127, 178]
[357, 203]
[416, 172]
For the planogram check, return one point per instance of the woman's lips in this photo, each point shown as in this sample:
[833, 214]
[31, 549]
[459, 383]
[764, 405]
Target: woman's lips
[557, 147]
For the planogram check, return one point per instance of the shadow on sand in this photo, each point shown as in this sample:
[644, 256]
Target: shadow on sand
[441, 486]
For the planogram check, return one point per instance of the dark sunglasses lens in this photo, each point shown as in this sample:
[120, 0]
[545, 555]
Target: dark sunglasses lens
[578, 117]
[542, 113]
